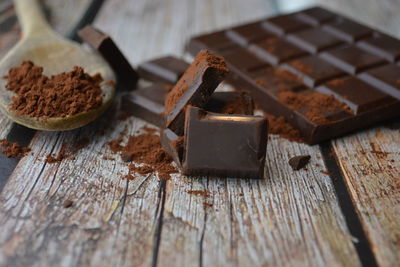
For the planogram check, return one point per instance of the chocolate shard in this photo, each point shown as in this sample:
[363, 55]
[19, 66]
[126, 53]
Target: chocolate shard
[299, 162]
[195, 88]
[324, 87]
[224, 145]
[166, 69]
[173, 145]
[127, 77]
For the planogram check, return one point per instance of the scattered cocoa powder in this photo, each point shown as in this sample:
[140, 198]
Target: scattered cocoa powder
[61, 95]
[239, 105]
[203, 57]
[145, 148]
[13, 150]
[313, 102]
[67, 151]
[279, 126]
[301, 66]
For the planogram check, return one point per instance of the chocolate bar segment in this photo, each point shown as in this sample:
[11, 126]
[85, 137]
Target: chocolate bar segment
[353, 52]
[351, 59]
[166, 69]
[358, 95]
[217, 42]
[314, 40]
[383, 46]
[316, 15]
[249, 33]
[103, 43]
[386, 77]
[194, 88]
[313, 70]
[276, 50]
[224, 145]
[284, 24]
[147, 103]
[347, 30]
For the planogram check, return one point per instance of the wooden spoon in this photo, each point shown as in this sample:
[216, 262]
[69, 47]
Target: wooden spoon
[46, 48]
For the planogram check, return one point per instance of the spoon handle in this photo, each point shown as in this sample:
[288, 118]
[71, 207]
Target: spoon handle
[31, 17]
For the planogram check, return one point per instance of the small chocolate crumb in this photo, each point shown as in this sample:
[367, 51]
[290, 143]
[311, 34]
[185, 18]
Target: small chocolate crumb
[67, 203]
[298, 162]
[13, 150]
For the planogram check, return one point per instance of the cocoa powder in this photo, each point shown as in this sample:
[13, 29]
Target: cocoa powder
[279, 126]
[13, 150]
[61, 95]
[146, 149]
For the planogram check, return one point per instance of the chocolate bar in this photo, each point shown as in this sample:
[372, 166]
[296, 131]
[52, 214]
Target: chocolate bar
[166, 69]
[195, 87]
[126, 75]
[224, 145]
[173, 144]
[326, 74]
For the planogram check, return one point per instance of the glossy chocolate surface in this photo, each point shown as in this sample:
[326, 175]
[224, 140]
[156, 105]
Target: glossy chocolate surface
[224, 145]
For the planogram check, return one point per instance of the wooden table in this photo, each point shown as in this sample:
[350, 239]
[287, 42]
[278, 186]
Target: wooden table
[344, 210]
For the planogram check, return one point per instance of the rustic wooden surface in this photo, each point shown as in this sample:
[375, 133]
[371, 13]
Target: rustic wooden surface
[289, 218]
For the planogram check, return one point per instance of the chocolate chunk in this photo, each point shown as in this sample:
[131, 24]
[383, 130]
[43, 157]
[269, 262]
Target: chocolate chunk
[299, 162]
[146, 103]
[103, 43]
[288, 88]
[194, 88]
[351, 59]
[347, 30]
[284, 24]
[314, 40]
[173, 144]
[67, 203]
[276, 50]
[166, 69]
[224, 145]
[386, 78]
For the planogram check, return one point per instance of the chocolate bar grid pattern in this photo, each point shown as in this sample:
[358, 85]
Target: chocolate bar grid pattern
[318, 46]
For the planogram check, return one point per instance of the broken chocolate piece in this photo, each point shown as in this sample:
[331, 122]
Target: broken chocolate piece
[299, 162]
[166, 69]
[195, 87]
[224, 145]
[103, 43]
[173, 145]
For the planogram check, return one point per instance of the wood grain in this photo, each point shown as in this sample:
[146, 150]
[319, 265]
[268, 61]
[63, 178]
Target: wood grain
[370, 162]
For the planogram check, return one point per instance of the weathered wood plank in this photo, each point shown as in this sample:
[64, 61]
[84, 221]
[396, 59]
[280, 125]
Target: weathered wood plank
[370, 163]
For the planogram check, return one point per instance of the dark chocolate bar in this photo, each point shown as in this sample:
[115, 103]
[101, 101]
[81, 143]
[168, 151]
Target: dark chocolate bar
[326, 74]
[166, 69]
[195, 87]
[126, 75]
[224, 145]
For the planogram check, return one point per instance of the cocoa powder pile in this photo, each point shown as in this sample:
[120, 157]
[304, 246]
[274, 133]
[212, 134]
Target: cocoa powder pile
[279, 126]
[144, 148]
[61, 95]
[13, 150]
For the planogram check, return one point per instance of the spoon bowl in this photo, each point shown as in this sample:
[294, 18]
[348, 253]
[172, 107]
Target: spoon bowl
[46, 48]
